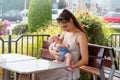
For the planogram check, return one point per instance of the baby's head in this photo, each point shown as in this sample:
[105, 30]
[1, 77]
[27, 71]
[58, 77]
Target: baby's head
[53, 39]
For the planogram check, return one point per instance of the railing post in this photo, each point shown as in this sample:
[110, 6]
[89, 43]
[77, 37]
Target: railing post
[9, 43]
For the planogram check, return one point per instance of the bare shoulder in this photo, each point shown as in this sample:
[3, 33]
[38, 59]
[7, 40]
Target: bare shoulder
[81, 37]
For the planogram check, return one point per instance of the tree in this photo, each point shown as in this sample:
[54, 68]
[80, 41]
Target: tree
[40, 14]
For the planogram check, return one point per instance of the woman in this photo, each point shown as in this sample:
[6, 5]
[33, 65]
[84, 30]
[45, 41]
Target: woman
[74, 36]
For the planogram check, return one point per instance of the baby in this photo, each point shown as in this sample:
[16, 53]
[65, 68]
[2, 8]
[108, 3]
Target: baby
[56, 44]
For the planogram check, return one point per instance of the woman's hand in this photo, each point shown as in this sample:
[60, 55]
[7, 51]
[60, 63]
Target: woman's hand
[70, 68]
[73, 67]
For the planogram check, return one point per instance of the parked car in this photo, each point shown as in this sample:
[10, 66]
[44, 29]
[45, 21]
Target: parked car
[113, 17]
[11, 16]
[55, 13]
[24, 13]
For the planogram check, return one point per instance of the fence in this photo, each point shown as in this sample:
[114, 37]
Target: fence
[24, 44]
[114, 41]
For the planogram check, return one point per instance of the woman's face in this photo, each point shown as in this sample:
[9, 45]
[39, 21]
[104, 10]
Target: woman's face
[67, 26]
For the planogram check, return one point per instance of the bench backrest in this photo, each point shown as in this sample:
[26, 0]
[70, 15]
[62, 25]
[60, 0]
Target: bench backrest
[96, 55]
[101, 57]
[44, 52]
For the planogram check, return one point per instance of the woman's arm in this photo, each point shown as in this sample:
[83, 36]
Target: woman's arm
[83, 43]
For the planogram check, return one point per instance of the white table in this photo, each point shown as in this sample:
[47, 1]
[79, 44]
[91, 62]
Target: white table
[32, 66]
[26, 64]
[12, 57]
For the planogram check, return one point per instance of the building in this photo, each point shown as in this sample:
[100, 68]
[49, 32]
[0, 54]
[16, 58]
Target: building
[75, 5]
[114, 4]
[111, 5]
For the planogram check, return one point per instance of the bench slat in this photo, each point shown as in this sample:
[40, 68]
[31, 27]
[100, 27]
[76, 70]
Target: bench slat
[91, 70]
[94, 62]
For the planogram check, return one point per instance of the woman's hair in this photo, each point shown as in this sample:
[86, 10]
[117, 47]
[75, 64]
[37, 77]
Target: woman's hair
[66, 15]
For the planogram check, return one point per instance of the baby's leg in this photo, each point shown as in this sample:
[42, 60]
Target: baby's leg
[68, 59]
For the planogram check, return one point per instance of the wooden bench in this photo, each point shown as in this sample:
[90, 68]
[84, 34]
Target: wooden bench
[44, 52]
[101, 62]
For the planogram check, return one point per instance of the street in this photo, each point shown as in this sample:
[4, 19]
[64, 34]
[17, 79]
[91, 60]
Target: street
[13, 24]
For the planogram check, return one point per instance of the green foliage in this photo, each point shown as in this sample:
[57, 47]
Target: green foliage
[52, 29]
[40, 14]
[117, 30]
[93, 26]
[20, 29]
[108, 31]
[85, 76]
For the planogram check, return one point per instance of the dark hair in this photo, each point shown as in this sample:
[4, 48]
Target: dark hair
[66, 15]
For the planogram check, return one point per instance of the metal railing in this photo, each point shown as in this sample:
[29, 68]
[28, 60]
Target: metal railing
[114, 41]
[24, 44]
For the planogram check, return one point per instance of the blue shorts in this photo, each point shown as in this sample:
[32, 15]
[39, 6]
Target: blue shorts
[62, 53]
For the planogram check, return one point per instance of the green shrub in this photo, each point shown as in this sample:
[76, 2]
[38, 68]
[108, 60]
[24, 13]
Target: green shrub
[40, 14]
[20, 29]
[93, 26]
[51, 29]
[117, 30]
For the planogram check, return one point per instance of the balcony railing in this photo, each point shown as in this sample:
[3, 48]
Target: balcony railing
[114, 41]
[24, 44]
